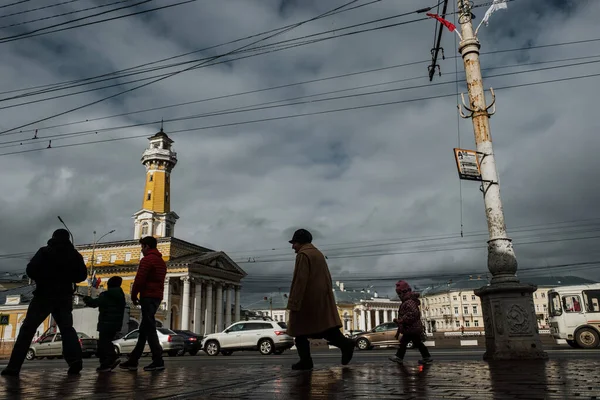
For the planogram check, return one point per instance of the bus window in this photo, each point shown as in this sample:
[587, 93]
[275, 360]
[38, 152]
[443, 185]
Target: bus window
[555, 308]
[571, 303]
[592, 300]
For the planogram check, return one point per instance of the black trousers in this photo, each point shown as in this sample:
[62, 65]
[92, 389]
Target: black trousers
[39, 309]
[148, 331]
[417, 343]
[106, 349]
[333, 336]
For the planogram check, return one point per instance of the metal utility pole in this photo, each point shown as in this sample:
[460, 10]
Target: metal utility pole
[508, 310]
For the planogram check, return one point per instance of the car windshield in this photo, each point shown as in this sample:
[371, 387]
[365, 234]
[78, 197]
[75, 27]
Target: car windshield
[282, 324]
[166, 331]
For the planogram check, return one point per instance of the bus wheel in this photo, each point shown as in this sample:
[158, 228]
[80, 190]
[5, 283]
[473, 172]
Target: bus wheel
[587, 338]
[573, 344]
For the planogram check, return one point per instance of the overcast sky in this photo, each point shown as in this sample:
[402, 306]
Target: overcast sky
[381, 174]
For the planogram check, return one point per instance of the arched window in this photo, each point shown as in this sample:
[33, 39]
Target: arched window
[145, 228]
[168, 230]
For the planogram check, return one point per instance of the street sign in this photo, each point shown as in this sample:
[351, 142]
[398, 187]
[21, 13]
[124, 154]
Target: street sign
[4, 319]
[467, 162]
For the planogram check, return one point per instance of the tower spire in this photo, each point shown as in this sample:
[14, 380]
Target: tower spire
[156, 218]
[161, 124]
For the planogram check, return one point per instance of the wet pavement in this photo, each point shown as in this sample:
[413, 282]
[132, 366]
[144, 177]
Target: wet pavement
[381, 379]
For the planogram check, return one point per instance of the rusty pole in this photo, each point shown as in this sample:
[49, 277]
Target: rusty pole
[502, 261]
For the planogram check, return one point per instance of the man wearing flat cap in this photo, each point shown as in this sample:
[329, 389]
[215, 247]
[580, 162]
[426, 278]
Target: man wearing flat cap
[312, 310]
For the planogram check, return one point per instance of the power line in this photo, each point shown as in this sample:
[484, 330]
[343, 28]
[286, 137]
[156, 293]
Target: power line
[289, 43]
[38, 9]
[301, 115]
[45, 31]
[63, 14]
[268, 105]
[15, 3]
[180, 55]
[180, 71]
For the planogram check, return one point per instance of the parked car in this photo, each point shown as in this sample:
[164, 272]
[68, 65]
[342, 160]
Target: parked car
[192, 342]
[265, 336]
[381, 335]
[50, 346]
[170, 342]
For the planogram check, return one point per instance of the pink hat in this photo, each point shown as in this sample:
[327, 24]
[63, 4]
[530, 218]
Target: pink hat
[403, 285]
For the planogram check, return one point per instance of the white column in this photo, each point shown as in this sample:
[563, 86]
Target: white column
[219, 310]
[355, 317]
[386, 314]
[198, 306]
[238, 305]
[167, 303]
[377, 317]
[228, 305]
[363, 320]
[208, 322]
[185, 303]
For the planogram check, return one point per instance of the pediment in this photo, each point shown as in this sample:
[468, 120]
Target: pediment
[218, 261]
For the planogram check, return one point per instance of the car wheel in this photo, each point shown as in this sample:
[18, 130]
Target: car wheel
[226, 352]
[409, 345]
[193, 352]
[363, 344]
[212, 348]
[587, 338]
[30, 354]
[265, 346]
[573, 344]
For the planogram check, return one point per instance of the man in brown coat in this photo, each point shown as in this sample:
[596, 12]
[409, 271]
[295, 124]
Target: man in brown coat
[313, 312]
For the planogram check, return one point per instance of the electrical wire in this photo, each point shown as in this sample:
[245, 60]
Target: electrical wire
[178, 72]
[63, 14]
[14, 4]
[38, 8]
[245, 109]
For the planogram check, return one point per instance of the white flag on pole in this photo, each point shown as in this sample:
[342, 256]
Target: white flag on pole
[496, 5]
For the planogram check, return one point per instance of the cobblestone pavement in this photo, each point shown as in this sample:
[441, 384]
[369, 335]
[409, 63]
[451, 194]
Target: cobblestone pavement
[555, 379]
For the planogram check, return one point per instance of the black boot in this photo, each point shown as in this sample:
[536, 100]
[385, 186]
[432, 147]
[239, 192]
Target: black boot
[303, 366]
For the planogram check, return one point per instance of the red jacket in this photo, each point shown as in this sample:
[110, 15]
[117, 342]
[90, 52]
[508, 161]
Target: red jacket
[150, 278]
[409, 320]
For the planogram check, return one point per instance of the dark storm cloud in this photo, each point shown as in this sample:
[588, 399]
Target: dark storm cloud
[366, 175]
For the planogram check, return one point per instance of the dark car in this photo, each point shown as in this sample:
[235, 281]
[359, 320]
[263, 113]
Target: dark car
[192, 343]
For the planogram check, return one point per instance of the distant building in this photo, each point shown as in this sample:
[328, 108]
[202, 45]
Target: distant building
[11, 282]
[14, 303]
[453, 306]
[273, 305]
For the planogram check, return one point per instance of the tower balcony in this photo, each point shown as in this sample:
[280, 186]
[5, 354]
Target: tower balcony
[164, 155]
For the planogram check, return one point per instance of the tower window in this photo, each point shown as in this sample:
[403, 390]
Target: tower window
[167, 196]
[145, 228]
[151, 178]
[149, 196]
[168, 230]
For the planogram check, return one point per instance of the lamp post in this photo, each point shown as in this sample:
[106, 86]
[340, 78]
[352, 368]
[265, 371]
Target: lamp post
[94, 255]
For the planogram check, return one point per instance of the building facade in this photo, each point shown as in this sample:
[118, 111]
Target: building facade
[454, 307]
[202, 287]
[14, 302]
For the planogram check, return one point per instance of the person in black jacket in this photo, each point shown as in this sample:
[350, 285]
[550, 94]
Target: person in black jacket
[56, 269]
[110, 321]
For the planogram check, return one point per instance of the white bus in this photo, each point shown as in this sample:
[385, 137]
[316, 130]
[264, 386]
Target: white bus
[574, 314]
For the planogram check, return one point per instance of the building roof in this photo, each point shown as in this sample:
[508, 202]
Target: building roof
[26, 293]
[279, 302]
[351, 297]
[135, 242]
[472, 284]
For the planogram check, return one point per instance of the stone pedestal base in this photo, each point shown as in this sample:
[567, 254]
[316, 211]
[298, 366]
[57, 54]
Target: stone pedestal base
[511, 331]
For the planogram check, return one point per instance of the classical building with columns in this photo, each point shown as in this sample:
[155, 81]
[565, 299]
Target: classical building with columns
[202, 287]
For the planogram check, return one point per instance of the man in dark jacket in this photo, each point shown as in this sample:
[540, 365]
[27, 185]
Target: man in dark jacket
[149, 285]
[409, 324]
[55, 268]
[110, 321]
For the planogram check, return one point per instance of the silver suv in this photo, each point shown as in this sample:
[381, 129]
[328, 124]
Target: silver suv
[265, 336]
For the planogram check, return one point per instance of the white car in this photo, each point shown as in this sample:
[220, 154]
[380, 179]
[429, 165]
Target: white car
[170, 342]
[265, 336]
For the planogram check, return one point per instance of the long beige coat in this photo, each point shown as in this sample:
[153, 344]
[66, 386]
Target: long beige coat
[311, 301]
